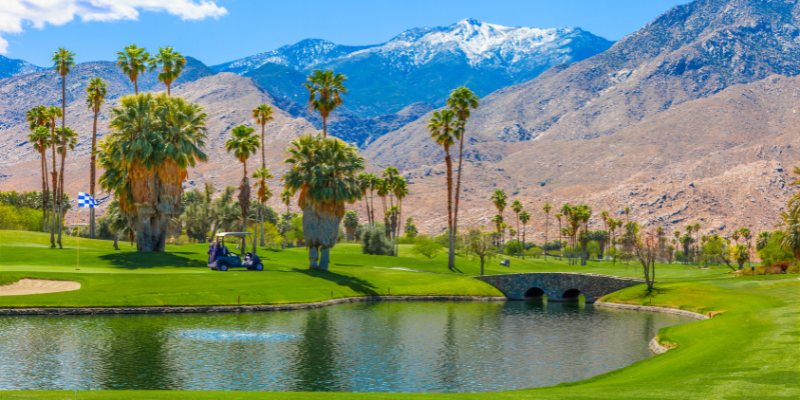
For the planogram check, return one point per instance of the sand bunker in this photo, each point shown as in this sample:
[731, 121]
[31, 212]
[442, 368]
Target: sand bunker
[37, 286]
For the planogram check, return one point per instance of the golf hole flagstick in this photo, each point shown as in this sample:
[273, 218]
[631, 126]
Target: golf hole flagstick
[84, 201]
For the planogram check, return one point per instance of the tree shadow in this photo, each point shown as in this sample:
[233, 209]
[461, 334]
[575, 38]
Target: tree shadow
[135, 260]
[355, 284]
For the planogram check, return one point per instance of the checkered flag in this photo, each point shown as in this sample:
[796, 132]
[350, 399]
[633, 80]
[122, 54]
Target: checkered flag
[85, 200]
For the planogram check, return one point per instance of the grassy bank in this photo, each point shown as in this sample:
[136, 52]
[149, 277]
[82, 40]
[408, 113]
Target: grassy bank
[749, 350]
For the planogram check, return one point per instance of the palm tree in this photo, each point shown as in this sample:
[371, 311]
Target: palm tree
[516, 206]
[243, 144]
[499, 200]
[96, 93]
[63, 61]
[791, 230]
[524, 217]
[263, 195]
[560, 235]
[324, 172]
[442, 128]
[365, 183]
[54, 113]
[263, 114]
[153, 141]
[66, 139]
[38, 119]
[461, 101]
[547, 208]
[171, 63]
[40, 138]
[286, 199]
[134, 60]
[499, 225]
[400, 191]
[325, 90]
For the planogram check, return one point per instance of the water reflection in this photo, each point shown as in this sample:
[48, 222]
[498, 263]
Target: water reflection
[359, 347]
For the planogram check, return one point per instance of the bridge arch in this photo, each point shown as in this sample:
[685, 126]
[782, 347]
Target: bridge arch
[534, 293]
[571, 295]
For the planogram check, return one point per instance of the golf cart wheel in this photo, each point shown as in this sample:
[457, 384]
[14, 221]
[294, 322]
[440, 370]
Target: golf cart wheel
[259, 267]
[223, 267]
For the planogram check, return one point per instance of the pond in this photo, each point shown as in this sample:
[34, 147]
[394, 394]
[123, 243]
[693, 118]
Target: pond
[410, 347]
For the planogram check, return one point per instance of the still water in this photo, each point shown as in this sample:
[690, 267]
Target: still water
[411, 347]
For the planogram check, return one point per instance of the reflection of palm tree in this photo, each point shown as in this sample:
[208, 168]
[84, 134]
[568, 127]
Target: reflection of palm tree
[448, 354]
[136, 355]
[315, 357]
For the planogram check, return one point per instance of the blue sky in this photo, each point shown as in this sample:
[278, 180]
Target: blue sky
[252, 26]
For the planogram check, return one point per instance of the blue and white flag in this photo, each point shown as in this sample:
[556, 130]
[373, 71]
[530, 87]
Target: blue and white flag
[85, 200]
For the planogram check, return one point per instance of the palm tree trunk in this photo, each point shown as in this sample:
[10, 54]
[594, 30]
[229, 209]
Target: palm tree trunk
[168, 92]
[458, 180]
[366, 203]
[135, 86]
[61, 178]
[93, 174]
[324, 127]
[61, 197]
[524, 229]
[261, 221]
[43, 167]
[263, 155]
[451, 251]
[54, 176]
[546, 226]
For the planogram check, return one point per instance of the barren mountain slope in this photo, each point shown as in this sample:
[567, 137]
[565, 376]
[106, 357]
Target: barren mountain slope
[723, 161]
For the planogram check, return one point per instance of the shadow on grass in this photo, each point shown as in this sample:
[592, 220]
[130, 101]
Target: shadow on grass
[355, 284]
[134, 260]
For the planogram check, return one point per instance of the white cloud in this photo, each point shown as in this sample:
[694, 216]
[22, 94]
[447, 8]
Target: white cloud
[17, 15]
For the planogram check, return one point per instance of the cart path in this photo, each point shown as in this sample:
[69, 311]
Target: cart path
[37, 286]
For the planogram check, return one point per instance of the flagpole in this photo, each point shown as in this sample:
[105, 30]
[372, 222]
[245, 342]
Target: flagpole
[78, 249]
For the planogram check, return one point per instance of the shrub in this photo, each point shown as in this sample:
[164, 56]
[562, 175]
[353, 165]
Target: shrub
[374, 241]
[20, 218]
[427, 246]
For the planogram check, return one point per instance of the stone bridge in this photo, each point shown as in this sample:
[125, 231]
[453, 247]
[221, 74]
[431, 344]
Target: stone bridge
[558, 286]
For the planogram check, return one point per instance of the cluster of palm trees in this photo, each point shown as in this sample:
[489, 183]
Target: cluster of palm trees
[391, 188]
[448, 127]
[499, 200]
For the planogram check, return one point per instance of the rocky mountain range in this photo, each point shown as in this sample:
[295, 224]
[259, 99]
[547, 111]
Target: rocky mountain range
[692, 118]
[11, 67]
[419, 66]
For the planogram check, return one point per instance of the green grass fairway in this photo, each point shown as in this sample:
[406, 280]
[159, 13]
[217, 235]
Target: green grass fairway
[751, 350]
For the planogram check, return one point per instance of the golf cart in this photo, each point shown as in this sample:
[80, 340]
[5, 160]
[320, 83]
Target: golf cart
[220, 258]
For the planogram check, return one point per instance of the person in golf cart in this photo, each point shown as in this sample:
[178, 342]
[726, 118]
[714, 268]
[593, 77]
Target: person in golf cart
[220, 258]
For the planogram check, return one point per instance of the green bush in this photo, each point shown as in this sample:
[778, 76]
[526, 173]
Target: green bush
[427, 246]
[20, 218]
[374, 241]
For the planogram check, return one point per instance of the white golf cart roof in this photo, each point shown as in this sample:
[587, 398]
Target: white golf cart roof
[234, 234]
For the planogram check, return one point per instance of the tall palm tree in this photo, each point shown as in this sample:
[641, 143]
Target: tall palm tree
[560, 234]
[263, 194]
[365, 180]
[400, 191]
[96, 93]
[134, 60]
[499, 199]
[263, 114]
[171, 63]
[461, 101]
[40, 138]
[516, 206]
[524, 217]
[442, 129]
[53, 113]
[66, 139]
[791, 231]
[63, 61]
[324, 171]
[145, 158]
[325, 90]
[547, 208]
[38, 117]
[243, 144]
